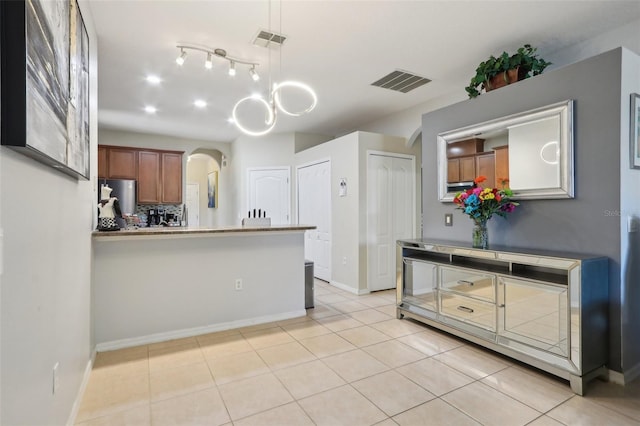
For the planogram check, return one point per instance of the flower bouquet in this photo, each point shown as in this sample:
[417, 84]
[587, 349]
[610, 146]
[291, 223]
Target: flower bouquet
[481, 204]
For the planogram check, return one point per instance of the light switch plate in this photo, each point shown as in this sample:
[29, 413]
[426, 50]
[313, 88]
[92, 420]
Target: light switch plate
[633, 223]
[448, 219]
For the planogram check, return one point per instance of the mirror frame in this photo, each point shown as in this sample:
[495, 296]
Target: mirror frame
[562, 109]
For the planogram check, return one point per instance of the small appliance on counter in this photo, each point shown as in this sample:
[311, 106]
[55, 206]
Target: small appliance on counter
[153, 218]
[160, 217]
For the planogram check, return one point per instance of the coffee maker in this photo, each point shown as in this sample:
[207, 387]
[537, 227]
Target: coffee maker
[154, 217]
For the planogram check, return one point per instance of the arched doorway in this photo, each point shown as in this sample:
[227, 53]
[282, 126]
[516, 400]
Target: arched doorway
[415, 140]
[205, 178]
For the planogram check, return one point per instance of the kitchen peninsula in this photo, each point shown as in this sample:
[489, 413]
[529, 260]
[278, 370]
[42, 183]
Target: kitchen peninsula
[158, 284]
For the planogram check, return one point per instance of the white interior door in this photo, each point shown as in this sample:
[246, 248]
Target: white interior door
[270, 191]
[390, 214]
[193, 204]
[314, 208]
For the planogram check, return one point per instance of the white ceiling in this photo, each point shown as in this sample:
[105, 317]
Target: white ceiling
[337, 47]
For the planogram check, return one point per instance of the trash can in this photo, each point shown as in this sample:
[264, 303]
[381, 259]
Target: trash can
[308, 284]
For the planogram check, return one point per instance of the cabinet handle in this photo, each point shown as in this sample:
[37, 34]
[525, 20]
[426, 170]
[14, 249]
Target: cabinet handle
[465, 282]
[465, 309]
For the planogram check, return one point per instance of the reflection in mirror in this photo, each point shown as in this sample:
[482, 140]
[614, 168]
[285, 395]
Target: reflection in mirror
[530, 152]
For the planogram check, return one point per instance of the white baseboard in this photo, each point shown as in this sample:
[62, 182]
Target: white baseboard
[632, 374]
[83, 387]
[189, 332]
[348, 288]
[615, 377]
[626, 377]
[421, 292]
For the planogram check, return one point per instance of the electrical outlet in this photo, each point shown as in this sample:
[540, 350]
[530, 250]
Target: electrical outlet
[56, 382]
[344, 260]
[238, 284]
[448, 219]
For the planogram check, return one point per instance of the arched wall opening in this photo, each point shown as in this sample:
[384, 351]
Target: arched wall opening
[416, 140]
[207, 182]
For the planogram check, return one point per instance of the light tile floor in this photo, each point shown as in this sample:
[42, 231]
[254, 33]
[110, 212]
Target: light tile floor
[348, 362]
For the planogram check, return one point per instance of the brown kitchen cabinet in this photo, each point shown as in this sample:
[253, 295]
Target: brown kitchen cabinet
[159, 177]
[461, 169]
[468, 169]
[486, 166]
[121, 163]
[158, 173]
[149, 177]
[171, 172]
[453, 170]
[102, 162]
[116, 162]
[502, 166]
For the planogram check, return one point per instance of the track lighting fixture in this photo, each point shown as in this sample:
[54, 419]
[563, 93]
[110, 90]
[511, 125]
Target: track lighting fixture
[254, 75]
[218, 53]
[180, 59]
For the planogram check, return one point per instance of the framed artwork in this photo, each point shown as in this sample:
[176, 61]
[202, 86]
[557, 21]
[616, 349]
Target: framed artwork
[634, 136]
[212, 190]
[45, 83]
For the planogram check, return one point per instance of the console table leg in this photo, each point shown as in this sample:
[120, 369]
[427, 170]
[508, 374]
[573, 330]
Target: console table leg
[577, 384]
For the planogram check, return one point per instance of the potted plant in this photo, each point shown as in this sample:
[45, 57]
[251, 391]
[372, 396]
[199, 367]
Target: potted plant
[497, 72]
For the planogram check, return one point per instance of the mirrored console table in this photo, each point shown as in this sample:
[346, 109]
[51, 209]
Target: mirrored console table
[542, 308]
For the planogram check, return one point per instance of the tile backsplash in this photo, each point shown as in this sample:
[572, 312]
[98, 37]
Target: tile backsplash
[143, 209]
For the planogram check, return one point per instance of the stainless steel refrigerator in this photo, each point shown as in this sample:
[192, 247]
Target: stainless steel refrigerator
[125, 191]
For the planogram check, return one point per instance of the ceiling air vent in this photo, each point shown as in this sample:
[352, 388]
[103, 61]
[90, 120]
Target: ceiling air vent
[268, 39]
[401, 81]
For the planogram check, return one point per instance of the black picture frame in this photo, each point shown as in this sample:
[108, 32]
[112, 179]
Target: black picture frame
[634, 132]
[45, 83]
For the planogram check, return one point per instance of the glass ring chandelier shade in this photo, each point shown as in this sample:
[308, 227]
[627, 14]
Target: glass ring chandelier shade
[271, 106]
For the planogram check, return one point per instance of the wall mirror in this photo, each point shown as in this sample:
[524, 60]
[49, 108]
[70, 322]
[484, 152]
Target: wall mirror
[531, 152]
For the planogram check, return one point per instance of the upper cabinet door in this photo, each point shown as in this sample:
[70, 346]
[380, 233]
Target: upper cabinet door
[102, 162]
[468, 170]
[171, 178]
[148, 177]
[486, 166]
[121, 163]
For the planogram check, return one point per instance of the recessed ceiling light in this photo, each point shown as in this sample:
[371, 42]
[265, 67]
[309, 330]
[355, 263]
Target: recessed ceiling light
[200, 103]
[150, 109]
[153, 79]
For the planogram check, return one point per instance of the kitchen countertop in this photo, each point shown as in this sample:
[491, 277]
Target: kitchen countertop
[185, 231]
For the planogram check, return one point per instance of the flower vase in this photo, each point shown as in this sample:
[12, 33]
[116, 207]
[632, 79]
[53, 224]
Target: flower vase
[480, 235]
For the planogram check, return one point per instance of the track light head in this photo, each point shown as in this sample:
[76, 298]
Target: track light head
[232, 68]
[254, 75]
[180, 59]
[208, 64]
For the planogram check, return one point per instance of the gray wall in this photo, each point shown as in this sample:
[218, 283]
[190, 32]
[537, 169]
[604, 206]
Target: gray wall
[578, 225]
[47, 218]
[630, 241]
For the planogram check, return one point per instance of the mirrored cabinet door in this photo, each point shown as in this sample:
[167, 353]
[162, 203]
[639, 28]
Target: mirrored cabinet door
[534, 314]
[420, 284]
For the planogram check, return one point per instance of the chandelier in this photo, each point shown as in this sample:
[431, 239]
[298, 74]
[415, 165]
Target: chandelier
[272, 104]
